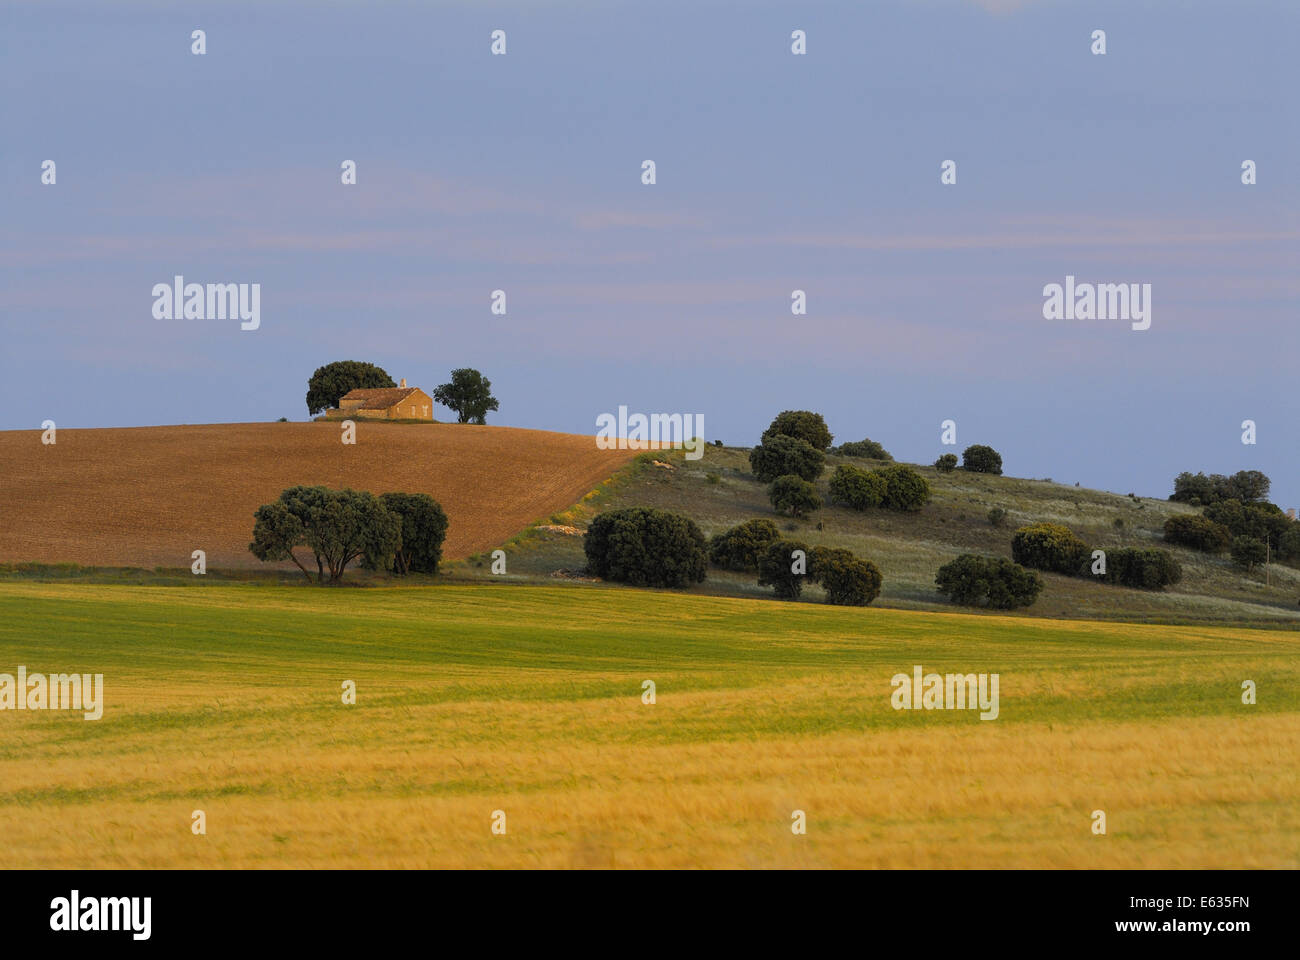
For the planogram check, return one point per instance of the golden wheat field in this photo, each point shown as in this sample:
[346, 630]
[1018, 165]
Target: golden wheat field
[150, 496]
[527, 701]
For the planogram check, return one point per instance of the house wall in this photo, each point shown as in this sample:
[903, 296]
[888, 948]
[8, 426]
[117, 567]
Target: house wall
[422, 403]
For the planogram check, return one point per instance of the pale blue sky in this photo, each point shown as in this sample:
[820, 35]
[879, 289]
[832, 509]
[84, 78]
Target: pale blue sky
[775, 172]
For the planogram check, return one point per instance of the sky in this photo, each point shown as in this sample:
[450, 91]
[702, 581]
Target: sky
[774, 173]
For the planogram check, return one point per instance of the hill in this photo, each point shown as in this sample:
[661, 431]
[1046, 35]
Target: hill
[149, 496]
[719, 491]
[475, 698]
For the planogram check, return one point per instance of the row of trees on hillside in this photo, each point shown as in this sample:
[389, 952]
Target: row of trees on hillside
[643, 546]
[468, 394]
[1198, 490]
[1002, 584]
[647, 547]
[791, 457]
[1055, 547]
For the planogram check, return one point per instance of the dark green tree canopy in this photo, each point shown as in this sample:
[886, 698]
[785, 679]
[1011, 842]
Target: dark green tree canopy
[1261, 521]
[338, 526]
[905, 489]
[858, 488]
[779, 455]
[1149, 569]
[1199, 490]
[848, 580]
[979, 458]
[424, 527]
[333, 380]
[469, 395]
[993, 582]
[867, 449]
[802, 424]
[1288, 545]
[1198, 533]
[1249, 486]
[645, 547]
[1248, 552]
[777, 568]
[793, 495]
[740, 547]
[1049, 546]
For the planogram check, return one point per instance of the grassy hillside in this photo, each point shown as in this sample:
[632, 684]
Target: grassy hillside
[150, 496]
[526, 699]
[140, 498]
[718, 491]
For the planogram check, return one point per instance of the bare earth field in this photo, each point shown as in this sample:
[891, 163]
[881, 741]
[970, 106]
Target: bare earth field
[150, 496]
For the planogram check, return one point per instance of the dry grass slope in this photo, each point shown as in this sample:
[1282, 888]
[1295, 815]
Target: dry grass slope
[719, 491]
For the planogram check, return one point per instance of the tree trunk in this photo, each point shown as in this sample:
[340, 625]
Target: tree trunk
[299, 565]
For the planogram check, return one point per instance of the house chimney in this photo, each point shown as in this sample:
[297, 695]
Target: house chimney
[403, 383]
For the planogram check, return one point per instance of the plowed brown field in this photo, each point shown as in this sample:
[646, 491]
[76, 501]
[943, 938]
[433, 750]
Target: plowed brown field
[149, 496]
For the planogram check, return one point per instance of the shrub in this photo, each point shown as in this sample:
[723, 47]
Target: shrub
[947, 463]
[857, 488]
[993, 582]
[821, 556]
[712, 478]
[740, 547]
[1257, 520]
[802, 425]
[1288, 545]
[1247, 552]
[338, 526]
[905, 489]
[424, 528]
[1143, 569]
[1049, 546]
[997, 517]
[776, 568]
[981, 459]
[645, 547]
[867, 449]
[1198, 533]
[848, 580]
[793, 495]
[779, 455]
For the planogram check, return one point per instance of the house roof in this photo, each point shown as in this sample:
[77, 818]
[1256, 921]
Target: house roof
[379, 398]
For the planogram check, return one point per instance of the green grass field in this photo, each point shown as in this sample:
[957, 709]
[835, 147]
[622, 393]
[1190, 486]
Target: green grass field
[226, 698]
